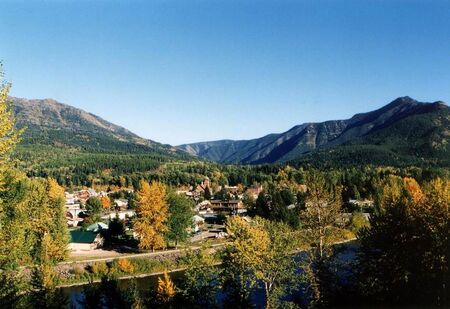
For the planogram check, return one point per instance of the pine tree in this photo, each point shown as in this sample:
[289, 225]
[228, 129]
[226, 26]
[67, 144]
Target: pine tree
[152, 211]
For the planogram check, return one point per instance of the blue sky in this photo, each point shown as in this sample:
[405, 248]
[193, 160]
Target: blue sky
[188, 71]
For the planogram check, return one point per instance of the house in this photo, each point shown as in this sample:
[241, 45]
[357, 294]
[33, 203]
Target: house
[82, 195]
[202, 187]
[198, 223]
[254, 190]
[97, 227]
[121, 204]
[232, 189]
[232, 207]
[92, 192]
[202, 206]
[84, 240]
[365, 205]
[122, 215]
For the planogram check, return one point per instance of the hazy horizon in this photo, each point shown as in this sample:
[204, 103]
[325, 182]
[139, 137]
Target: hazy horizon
[178, 72]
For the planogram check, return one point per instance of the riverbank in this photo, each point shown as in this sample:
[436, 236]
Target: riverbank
[171, 265]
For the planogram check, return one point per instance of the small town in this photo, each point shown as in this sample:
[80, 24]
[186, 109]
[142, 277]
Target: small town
[224, 154]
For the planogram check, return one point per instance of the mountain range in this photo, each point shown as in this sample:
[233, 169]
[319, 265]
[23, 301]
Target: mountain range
[404, 131]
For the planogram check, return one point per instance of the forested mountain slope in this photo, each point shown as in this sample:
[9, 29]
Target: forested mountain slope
[70, 144]
[402, 132]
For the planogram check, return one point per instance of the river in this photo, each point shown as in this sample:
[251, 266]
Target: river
[346, 253]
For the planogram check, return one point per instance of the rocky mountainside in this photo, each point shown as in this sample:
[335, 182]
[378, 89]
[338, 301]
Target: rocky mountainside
[375, 130]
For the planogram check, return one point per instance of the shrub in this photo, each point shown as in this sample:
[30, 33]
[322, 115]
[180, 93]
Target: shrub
[125, 265]
[77, 270]
[357, 222]
[99, 268]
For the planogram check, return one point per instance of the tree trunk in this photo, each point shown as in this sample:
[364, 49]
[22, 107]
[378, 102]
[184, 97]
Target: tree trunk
[266, 289]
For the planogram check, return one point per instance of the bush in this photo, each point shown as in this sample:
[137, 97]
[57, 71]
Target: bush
[77, 270]
[99, 268]
[125, 266]
[357, 222]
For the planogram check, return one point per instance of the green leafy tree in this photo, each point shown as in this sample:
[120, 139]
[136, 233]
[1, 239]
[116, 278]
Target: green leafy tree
[180, 218]
[116, 228]
[44, 280]
[201, 279]
[12, 285]
[94, 208]
[319, 222]
[404, 255]
[259, 254]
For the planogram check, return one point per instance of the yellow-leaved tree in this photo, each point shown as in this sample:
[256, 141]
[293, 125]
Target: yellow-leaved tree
[166, 289]
[152, 212]
[413, 189]
[58, 222]
[259, 253]
[9, 135]
[106, 202]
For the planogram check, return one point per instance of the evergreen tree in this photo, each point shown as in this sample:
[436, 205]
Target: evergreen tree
[207, 193]
[404, 255]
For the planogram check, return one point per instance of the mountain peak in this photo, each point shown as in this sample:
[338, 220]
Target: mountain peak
[406, 100]
[312, 137]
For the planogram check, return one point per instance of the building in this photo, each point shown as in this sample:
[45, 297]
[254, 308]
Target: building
[254, 190]
[74, 214]
[198, 223]
[97, 227]
[362, 204]
[231, 189]
[120, 204]
[84, 240]
[230, 207]
[122, 215]
[202, 187]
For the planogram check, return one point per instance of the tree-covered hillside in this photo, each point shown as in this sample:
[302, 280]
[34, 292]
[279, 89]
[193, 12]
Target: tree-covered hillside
[420, 139]
[403, 132]
[77, 147]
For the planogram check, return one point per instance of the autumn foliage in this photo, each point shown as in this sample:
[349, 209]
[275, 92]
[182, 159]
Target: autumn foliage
[125, 265]
[166, 289]
[152, 213]
[106, 202]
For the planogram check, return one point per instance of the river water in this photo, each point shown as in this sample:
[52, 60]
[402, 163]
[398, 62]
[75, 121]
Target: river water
[347, 253]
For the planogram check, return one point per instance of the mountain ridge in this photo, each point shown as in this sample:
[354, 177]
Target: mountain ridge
[311, 136]
[46, 119]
